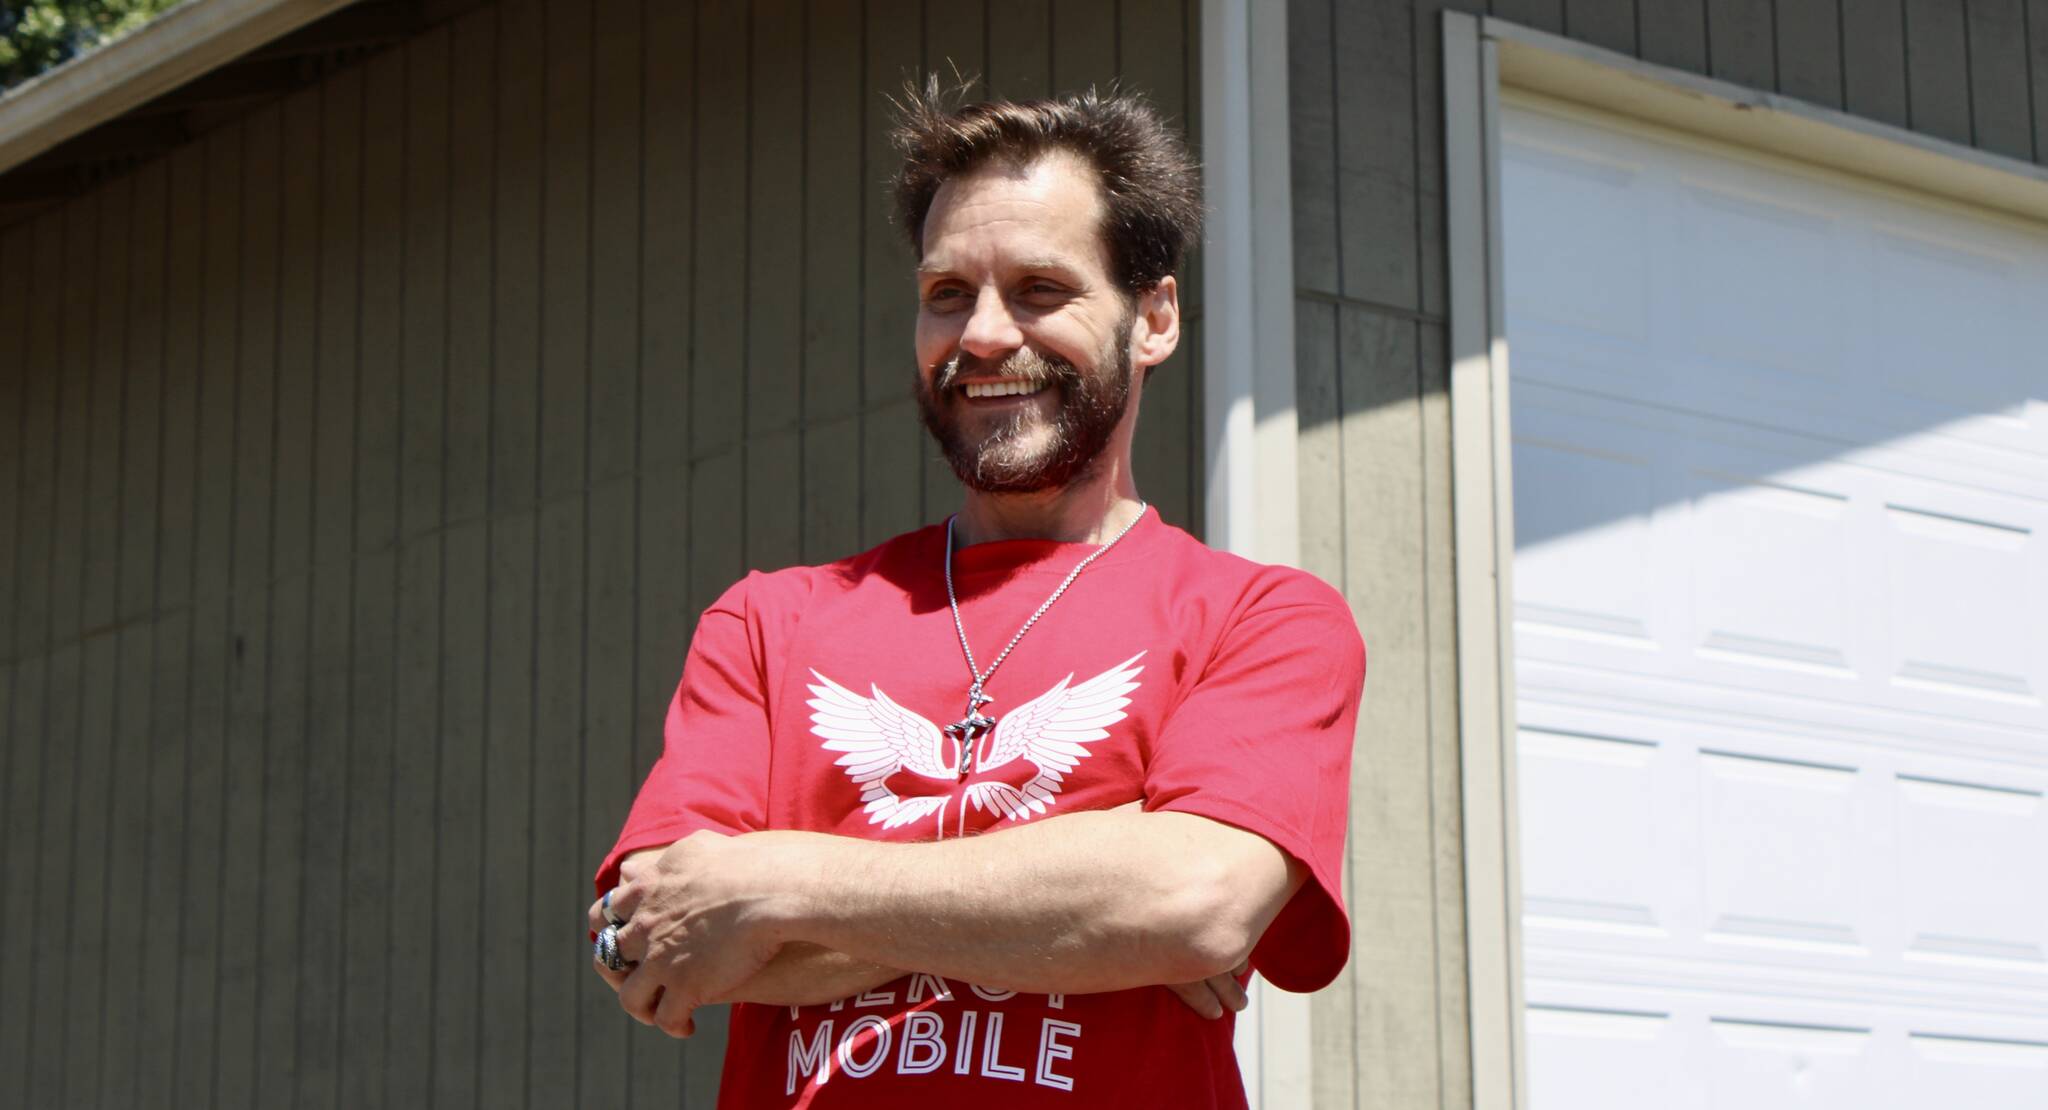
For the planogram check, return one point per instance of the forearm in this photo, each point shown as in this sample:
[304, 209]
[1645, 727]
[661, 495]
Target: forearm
[1091, 902]
[804, 974]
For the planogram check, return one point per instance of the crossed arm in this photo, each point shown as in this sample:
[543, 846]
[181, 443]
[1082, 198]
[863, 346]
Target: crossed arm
[1073, 904]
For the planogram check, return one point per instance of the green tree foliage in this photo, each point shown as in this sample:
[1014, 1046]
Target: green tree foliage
[38, 34]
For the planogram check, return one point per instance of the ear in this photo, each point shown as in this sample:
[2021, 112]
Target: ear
[1156, 330]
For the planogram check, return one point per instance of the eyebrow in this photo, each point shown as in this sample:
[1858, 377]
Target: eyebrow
[1040, 262]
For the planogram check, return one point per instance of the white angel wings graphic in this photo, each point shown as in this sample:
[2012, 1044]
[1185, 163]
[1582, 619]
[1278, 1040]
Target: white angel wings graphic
[880, 741]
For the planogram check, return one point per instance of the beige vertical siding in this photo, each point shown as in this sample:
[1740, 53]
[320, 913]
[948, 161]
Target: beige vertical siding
[363, 467]
[1370, 261]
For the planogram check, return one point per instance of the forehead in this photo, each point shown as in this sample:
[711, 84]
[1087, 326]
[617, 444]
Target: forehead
[1049, 209]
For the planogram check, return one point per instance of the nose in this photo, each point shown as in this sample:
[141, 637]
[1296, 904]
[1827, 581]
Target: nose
[991, 330]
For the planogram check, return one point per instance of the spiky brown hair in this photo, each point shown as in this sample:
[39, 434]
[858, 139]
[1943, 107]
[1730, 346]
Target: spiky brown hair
[1151, 186]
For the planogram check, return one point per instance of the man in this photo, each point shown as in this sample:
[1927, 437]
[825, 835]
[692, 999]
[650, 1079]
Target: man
[942, 817]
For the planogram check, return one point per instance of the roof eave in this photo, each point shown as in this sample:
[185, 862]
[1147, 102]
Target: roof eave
[183, 43]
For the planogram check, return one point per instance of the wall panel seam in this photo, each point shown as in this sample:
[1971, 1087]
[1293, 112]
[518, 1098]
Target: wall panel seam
[1969, 69]
[1906, 57]
[441, 571]
[317, 228]
[534, 603]
[361, 116]
[2033, 80]
[639, 392]
[490, 517]
[120, 540]
[803, 252]
[270, 638]
[87, 257]
[396, 381]
[197, 368]
[591, 263]
[227, 614]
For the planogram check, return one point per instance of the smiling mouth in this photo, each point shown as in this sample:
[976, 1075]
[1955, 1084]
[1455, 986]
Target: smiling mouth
[979, 390]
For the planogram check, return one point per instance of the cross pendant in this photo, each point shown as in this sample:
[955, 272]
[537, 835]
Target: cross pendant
[971, 728]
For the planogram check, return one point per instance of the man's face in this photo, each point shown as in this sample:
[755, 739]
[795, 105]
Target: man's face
[1023, 337]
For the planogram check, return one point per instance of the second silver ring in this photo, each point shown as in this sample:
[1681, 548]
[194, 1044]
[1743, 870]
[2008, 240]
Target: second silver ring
[607, 951]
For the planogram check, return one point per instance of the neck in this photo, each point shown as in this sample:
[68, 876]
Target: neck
[1090, 510]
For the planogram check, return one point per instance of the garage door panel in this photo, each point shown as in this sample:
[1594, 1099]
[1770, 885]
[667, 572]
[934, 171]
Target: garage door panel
[1951, 576]
[1805, 616]
[1583, 269]
[1762, 1065]
[1948, 329]
[1783, 864]
[1759, 261]
[1603, 868]
[1596, 502]
[1970, 873]
[1546, 355]
[1977, 1073]
[1584, 1059]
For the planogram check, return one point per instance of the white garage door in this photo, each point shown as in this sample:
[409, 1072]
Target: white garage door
[1781, 629]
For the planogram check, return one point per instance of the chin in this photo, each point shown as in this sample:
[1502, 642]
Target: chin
[1039, 473]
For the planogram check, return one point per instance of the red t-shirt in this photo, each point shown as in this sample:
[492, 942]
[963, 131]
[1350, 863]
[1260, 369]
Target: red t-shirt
[814, 698]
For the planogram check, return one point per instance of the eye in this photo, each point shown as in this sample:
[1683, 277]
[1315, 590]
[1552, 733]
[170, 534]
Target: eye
[1042, 292]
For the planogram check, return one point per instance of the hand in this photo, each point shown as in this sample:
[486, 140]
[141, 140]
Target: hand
[1210, 997]
[695, 928]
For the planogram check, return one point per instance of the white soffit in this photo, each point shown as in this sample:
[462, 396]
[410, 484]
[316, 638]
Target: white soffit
[1543, 63]
[183, 43]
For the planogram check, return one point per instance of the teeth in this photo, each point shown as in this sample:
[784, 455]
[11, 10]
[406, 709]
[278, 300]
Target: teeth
[1002, 389]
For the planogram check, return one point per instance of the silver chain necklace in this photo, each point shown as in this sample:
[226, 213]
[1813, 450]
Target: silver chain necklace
[974, 725]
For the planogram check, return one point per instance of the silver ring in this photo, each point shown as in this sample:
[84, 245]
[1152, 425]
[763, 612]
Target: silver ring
[610, 917]
[607, 951]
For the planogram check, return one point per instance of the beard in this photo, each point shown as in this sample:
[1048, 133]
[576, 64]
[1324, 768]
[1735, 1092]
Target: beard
[1024, 452]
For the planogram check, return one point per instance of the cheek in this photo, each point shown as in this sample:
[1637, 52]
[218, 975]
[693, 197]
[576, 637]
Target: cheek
[1080, 340]
[936, 339]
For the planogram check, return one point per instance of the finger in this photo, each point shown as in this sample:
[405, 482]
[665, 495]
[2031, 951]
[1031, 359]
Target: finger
[625, 896]
[637, 863]
[632, 942]
[672, 1015]
[1243, 968]
[1228, 992]
[640, 994]
[612, 978]
[1199, 998]
[596, 916]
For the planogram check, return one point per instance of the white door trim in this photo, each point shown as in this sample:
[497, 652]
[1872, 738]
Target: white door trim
[1249, 422]
[1482, 520]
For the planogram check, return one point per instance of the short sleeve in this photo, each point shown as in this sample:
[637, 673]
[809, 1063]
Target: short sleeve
[713, 769]
[1263, 743]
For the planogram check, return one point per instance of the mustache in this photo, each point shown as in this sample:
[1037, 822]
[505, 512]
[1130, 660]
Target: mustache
[1022, 363]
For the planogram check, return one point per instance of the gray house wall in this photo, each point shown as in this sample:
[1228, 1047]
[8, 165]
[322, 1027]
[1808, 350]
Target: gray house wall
[363, 467]
[1370, 254]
